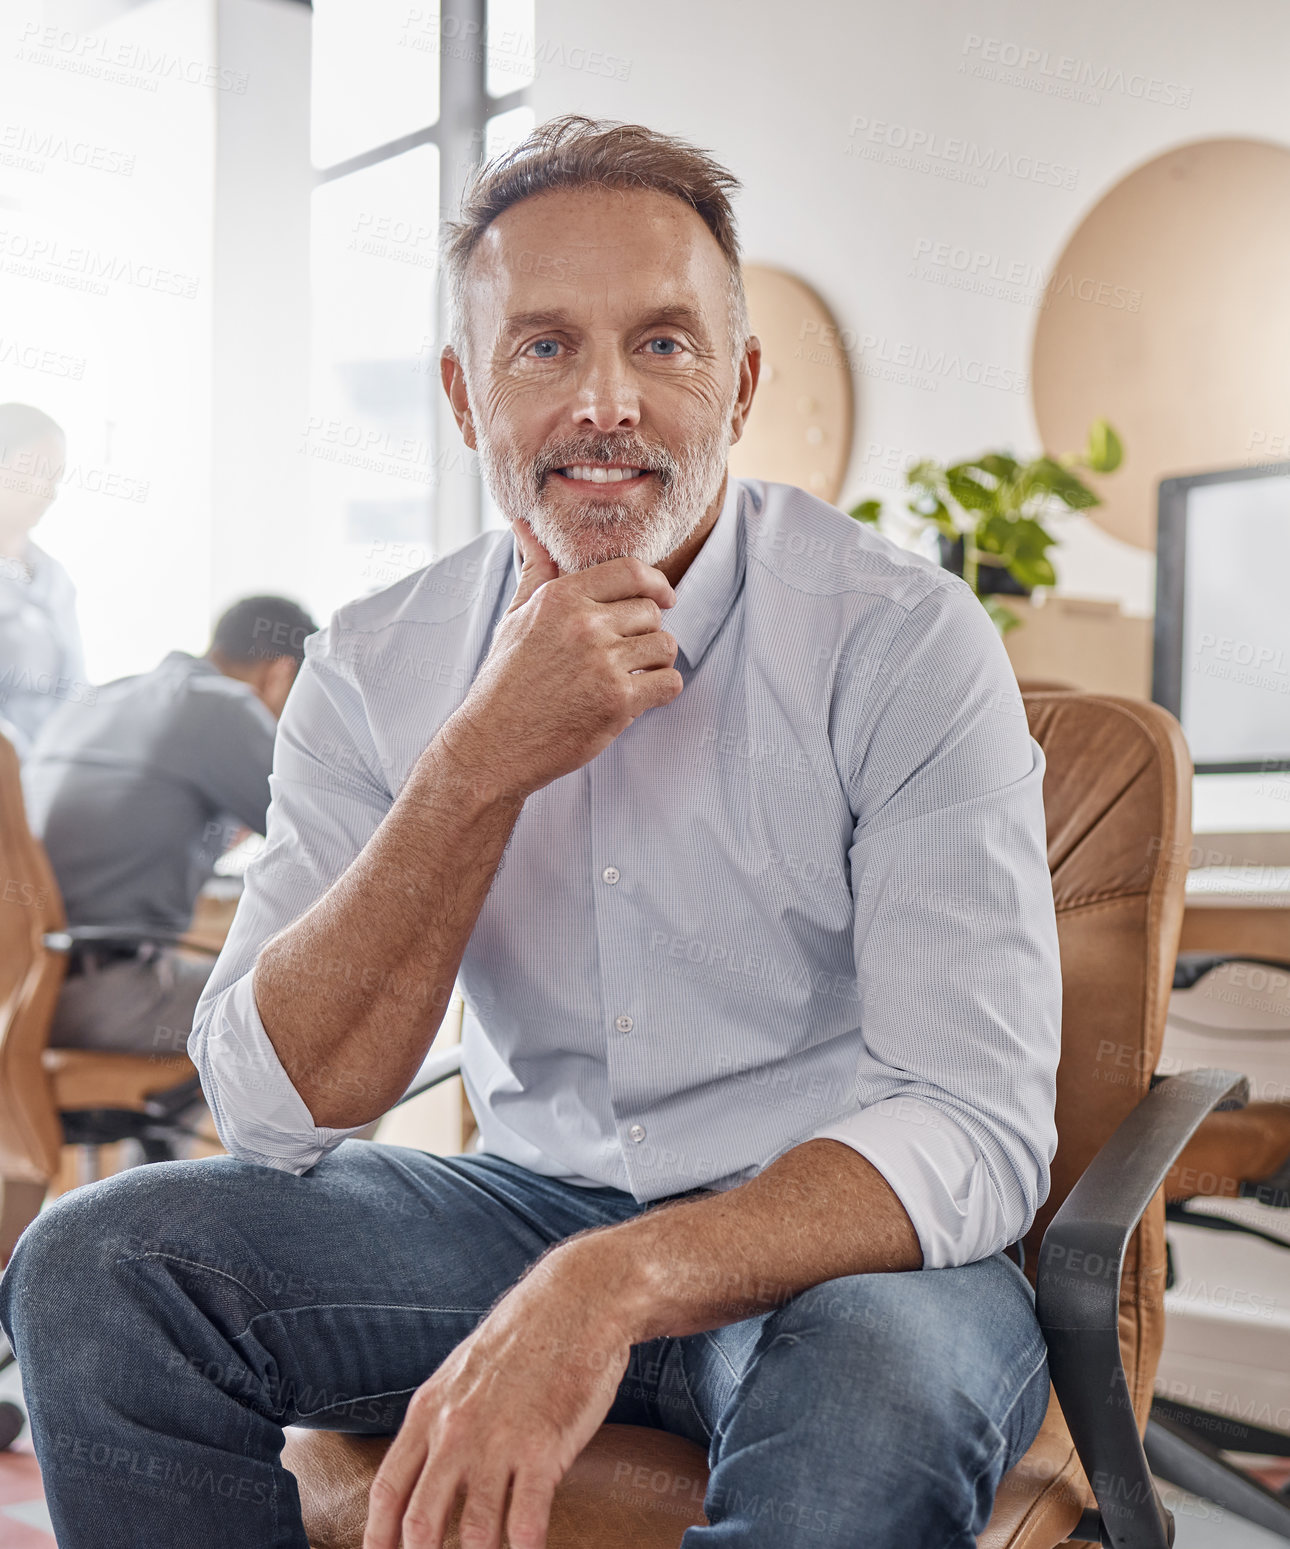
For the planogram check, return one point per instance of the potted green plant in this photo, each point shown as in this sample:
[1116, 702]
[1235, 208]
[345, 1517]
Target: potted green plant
[992, 511]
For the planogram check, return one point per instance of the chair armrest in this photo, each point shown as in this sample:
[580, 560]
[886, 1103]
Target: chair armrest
[120, 935]
[1077, 1296]
[167, 1106]
[438, 1067]
[1191, 967]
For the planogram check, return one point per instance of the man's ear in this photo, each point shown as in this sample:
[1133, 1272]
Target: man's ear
[453, 376]
[278, 680]
[270, 680]
[749, 376]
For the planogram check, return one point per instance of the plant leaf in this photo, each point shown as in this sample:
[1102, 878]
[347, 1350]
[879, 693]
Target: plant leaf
[1033, 572]
[931, 509]
[927, 472]
[996, 533]
[1003, 618]
[970, 492]
[1048, 476]
[1030, 537]
[1105, 451]
[867, 511]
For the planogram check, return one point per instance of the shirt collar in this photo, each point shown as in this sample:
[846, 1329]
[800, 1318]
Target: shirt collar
[192, 664]
[706, 591]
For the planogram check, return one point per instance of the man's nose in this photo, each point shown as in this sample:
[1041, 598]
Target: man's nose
[606, 398]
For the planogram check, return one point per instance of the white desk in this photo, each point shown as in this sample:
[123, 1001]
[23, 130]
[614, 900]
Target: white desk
[1238, 888]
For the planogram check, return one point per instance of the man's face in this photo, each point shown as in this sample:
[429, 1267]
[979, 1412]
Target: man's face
[601, 387]
[29, 475]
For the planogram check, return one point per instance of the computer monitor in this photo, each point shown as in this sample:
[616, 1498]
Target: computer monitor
[1222, 631]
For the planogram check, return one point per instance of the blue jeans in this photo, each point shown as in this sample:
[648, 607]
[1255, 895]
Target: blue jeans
[170, 1320]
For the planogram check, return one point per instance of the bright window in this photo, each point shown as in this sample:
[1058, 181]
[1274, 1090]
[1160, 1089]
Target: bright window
[370, 436]
[391, 483]
[106, 202]
[375, 73]
[512, 25]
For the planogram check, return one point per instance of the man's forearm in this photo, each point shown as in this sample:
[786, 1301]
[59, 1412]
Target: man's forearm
[817, 1213]
[352, 993]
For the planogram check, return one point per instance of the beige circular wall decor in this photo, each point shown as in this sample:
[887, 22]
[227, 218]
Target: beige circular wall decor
[799, 431]
[1169, 314]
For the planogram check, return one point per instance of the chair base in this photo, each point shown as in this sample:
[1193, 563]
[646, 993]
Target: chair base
[1187, 1460]
[106, 1126]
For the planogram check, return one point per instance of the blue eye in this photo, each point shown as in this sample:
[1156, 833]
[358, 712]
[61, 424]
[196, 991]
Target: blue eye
[545, 348]
[674, 347]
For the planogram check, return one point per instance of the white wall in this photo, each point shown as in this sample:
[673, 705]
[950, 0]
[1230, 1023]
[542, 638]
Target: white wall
[260, 285]
[814, 106]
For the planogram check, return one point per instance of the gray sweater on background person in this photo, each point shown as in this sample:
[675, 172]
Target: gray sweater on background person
[137, 792]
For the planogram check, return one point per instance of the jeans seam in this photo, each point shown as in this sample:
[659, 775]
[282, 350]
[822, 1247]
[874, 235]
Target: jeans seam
[759, 1355]
[1022, 1386]
[685, 1383]
[717, 1347]
[174, 1258]
[287, 1312]
[1003, 1440]
[358, 1398]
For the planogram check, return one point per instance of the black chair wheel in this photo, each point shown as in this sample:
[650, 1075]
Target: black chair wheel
[12, 1421]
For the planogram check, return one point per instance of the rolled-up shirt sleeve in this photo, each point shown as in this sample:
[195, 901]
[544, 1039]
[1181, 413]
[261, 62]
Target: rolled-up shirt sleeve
[327, 799]
[955, 936]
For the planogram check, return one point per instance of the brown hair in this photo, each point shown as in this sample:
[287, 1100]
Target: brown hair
[578, 152]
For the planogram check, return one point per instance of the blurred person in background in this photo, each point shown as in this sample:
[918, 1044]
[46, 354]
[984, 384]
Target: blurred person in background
[41, 660]
[135, 794]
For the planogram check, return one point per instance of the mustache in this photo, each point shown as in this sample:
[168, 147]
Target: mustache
[606, 449]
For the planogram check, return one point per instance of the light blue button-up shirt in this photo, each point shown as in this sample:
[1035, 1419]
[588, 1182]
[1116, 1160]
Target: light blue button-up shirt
[809, 898]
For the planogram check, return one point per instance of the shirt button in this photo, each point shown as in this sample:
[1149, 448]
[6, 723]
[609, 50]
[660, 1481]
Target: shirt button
[637, 1133]
[624, 1023]
[611, 874]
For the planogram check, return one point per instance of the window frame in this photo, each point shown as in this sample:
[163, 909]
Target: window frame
[459, 133]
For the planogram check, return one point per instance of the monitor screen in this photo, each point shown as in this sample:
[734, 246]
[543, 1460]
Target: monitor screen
[1222, 632]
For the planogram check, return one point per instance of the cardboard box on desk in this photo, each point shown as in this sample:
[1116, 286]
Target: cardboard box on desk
[1081, 642]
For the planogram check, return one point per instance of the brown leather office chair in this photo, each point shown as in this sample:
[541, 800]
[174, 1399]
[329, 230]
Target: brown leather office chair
[50, 1097]
[1045, 686]
[1117, 795]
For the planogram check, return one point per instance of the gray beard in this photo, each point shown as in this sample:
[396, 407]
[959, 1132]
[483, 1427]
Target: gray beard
[589, 534]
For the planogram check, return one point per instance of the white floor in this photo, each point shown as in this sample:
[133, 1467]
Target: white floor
[1201, 1525]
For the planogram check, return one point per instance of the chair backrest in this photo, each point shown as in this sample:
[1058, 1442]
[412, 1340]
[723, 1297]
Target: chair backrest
[1117, 796]
[30, 977]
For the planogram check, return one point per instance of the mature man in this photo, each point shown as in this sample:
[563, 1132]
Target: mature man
[753, 919]
[136, 793]
[41, 661]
